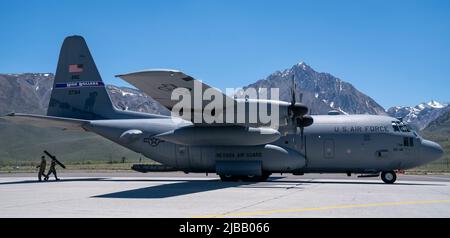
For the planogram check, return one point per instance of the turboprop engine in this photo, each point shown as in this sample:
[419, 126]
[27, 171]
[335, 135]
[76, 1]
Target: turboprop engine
[216, 135]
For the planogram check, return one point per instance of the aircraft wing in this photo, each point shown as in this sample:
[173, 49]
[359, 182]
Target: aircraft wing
[160, 83]
[46, 121]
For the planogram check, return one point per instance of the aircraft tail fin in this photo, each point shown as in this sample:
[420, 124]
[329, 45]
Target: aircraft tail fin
[78, 90]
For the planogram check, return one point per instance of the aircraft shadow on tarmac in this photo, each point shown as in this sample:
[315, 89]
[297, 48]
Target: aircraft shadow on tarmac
[171, 189]
[179, 187]
[184, 187]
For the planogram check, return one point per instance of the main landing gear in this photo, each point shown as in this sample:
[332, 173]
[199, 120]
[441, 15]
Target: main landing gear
[388, 177]
[245, 178]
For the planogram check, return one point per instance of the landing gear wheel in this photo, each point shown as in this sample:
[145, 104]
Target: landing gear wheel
[228, 178]
[388, 177]
[262, 178]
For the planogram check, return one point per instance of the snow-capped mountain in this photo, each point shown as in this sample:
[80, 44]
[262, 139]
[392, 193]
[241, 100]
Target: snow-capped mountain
[435, 104]
[322, 92]
[420, 115]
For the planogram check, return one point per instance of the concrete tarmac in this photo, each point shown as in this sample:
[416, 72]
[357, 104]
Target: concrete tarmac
[195, 195]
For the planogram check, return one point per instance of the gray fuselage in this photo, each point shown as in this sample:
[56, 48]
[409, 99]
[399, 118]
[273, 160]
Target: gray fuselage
[334, 143]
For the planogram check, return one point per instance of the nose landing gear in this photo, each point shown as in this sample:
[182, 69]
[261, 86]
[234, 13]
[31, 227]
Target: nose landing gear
[388, 177]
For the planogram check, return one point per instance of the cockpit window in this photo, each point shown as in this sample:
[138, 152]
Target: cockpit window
[395, 126]
[403, 127]
[400, 126]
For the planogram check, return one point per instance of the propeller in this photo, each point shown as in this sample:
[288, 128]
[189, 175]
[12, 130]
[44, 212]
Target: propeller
[298, 111]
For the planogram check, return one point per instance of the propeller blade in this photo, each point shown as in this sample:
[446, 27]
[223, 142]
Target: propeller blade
[293, 99]
[298, 111]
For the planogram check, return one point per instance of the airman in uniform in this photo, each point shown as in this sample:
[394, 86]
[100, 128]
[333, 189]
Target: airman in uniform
[52, 170]
[41, 167]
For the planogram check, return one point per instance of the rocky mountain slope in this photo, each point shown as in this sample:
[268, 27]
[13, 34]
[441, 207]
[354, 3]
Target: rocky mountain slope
[322, 92]
[30, 93]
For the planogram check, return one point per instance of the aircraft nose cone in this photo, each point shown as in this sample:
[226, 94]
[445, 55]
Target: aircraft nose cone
[431, 150]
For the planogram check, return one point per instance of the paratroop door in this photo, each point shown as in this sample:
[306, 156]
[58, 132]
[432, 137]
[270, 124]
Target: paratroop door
[182, 154]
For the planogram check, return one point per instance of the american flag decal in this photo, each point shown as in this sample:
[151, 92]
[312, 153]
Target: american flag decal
[75, 68]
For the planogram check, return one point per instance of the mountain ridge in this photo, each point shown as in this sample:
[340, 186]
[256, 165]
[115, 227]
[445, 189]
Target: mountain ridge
[322, 92]
[421, 115]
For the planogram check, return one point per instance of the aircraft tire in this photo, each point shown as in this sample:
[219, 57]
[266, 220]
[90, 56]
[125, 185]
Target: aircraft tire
[261, 178]
[388, 177]
[229, 178]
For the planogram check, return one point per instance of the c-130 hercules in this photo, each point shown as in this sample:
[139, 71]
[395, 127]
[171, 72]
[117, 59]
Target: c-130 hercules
[362, 144]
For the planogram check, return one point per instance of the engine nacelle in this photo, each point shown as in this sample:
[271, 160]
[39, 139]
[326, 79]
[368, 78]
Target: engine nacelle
[272, 158]
[229, 136]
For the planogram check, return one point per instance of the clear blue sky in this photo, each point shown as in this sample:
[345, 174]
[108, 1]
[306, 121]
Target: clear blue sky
[397, 52]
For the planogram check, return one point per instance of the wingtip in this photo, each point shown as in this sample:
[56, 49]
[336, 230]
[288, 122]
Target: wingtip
[147, 71]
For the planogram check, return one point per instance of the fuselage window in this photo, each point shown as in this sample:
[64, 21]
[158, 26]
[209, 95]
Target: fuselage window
[366, 137]
[405, 141]
[400, 126]
[408, 141]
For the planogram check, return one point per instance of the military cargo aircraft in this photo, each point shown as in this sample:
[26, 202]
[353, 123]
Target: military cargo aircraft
[369, 145]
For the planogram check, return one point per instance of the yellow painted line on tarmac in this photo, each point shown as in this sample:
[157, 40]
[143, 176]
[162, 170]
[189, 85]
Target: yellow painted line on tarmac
[294, 210]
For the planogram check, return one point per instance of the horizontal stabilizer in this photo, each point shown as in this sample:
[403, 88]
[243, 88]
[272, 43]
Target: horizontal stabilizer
[46, 121]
